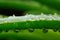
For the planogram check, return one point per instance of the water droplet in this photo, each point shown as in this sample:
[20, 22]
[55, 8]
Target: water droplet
[6, 30]
[13, 15]
[31, 29]
[45, 30]
[59, 30]
[16, 30]
[55, 30]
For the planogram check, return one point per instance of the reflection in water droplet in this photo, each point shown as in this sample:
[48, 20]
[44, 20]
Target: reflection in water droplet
[45, 30]
[55, 30]
[16, 30]
[31, 30]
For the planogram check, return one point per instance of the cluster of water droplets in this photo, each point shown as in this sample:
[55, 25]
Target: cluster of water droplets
[30, 17]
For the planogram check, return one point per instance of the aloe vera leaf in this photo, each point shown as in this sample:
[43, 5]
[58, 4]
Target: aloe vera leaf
[25, 35]
[31, 24]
